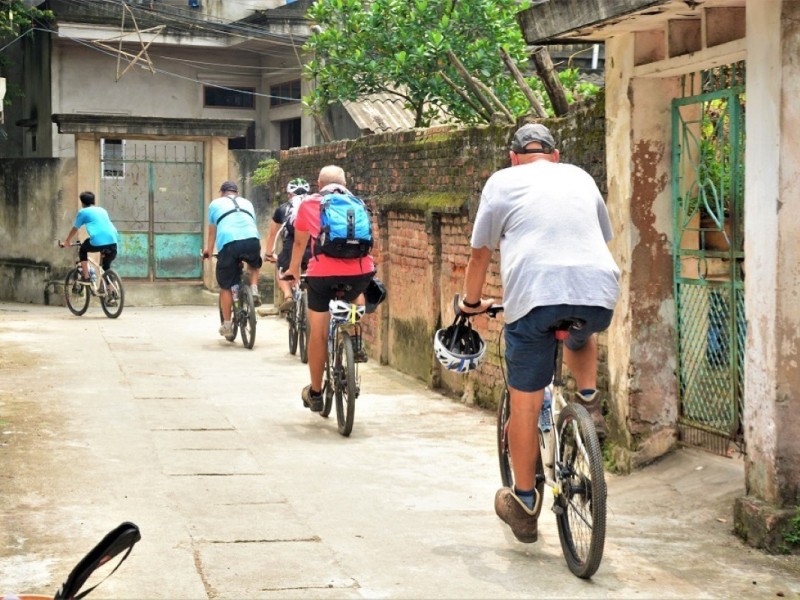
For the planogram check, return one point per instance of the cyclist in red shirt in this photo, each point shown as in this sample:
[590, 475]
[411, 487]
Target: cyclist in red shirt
[325, 275]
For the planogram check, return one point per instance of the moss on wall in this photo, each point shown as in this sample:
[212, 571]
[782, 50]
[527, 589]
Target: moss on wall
[411, 347]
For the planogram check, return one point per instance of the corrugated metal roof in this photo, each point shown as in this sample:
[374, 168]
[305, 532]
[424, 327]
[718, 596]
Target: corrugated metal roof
[380, 113]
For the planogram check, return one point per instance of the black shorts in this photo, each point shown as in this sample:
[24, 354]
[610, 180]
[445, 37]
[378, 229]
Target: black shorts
[231, 255]
[285, 258]
[321, 290]
[108, 253]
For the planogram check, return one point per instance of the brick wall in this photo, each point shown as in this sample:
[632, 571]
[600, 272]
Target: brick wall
[424, 188]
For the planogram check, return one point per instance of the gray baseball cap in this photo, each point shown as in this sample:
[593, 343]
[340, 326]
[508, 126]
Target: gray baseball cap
[532, 132]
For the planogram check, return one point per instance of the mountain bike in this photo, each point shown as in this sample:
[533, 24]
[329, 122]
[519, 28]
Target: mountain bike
[243, 310]
[570, 463]
[107, 287]
[342, 381]
[298, 321]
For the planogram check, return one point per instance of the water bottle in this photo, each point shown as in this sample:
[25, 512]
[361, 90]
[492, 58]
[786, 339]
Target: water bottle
[544, 416]
[92, 274]
[235, 292]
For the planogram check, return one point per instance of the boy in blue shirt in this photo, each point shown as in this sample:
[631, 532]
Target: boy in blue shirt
[103, 236]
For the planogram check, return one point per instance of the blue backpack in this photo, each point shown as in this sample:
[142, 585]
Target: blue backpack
[345, 227]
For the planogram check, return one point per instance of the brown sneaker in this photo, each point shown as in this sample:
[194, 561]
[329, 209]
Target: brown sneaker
[593, 404]
[312, 401]
[523, 521]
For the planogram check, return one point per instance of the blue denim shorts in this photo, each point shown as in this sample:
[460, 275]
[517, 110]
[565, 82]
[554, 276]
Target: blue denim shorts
[531, 343]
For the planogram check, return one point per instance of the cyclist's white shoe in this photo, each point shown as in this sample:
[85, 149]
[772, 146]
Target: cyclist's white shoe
[256, 295]
[523, 521]
[226, 330]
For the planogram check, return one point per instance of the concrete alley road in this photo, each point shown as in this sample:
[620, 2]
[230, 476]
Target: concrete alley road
[240, 492]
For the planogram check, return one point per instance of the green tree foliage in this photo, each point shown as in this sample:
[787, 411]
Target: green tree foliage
[400, 47]
[16, 19]
[575, 88]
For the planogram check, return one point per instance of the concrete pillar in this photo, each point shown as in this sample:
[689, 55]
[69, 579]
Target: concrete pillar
[217, 171]
[87, 155]
[772, 280]
[643, 385]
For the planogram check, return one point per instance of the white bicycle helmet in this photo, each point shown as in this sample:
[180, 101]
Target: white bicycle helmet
[344, 311]
[459, 348]
[298, 186]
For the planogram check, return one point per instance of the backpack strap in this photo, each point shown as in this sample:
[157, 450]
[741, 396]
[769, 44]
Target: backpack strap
[121, 539]
[233, 210]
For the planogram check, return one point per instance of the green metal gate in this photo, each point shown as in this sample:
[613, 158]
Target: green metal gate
[154, 194]
[708, 200]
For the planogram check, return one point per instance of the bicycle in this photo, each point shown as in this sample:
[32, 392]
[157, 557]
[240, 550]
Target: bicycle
[570, 463]
[78, 292]
[243, 310]
[342, 381]
[298, 321]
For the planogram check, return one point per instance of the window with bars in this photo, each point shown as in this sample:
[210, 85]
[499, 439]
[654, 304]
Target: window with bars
[233, 97]
[112, 153]
[285, 93]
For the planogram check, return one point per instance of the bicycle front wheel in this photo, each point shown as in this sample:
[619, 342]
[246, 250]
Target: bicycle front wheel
[345, 389]
[581, 503]
[247, 317]
[293, 330]
[503, 452]
[76, 295]
[327, 391]
[302, 328]
[113, 300]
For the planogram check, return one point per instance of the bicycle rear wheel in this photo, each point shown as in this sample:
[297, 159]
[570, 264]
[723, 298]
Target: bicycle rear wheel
[247, 317]
[76, 295]
[114, 299]
[581, 505]
[345, 389]
[506, 466]
[302, 327]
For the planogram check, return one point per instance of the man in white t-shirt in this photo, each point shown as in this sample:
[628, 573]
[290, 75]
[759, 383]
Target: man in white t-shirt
[552, 227]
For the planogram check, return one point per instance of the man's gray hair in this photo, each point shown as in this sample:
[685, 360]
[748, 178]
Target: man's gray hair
[331, 174]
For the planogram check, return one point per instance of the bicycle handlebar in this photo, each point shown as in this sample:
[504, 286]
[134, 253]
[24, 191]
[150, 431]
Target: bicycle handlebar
[492, 310]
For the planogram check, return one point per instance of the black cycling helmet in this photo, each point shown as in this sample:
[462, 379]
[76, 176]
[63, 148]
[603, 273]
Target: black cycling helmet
[459, 348]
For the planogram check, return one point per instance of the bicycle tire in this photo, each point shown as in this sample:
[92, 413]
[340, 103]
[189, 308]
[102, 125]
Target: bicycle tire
[247, 317]
[234, 322]
[506, 466]
[293, 331]
[581, 504]
[113, 301]
[76, 295]
[327, 392]
[345, 388]
[302, 328]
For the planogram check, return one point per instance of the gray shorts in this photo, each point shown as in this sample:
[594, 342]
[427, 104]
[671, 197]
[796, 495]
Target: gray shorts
[531, 343]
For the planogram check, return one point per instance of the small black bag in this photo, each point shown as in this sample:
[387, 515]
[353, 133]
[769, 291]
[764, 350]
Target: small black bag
[374, 295]
[121, 539]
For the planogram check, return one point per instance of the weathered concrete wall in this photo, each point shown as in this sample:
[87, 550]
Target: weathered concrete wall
[425, 188]
[772, 231]
[34, 213]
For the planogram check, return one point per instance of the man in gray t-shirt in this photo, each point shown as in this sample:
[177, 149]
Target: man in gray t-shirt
[552, 227]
